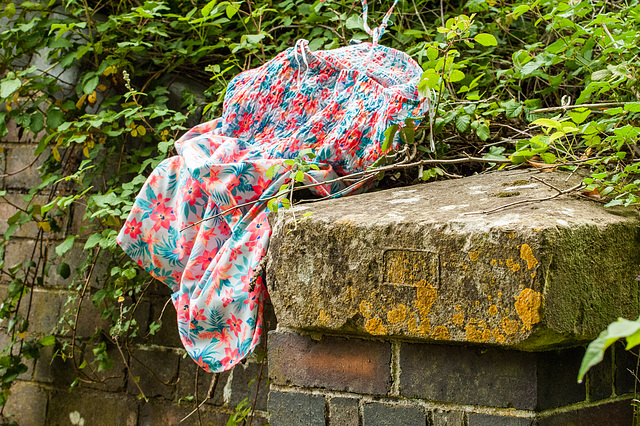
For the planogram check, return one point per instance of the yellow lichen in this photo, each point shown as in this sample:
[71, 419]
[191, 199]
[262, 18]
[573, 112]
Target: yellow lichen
[365, 309]
[473, 334]
[498, 336]
[425, 327]
[426, 297]
[374, 326]
[397, 315]
[515, 267]
[512, 235]
[440, 333]
[527, 254]
[494, 262]
[528, 304]
[323, 318]
[510, 327]
[411, 324]
[458, 318]
[493, 309]
[473, 255]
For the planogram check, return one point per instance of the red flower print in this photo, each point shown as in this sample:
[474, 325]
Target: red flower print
[235, 324]
[191, 191]
[132, 228]
[182, 307]
[183, 247]
[162, 216]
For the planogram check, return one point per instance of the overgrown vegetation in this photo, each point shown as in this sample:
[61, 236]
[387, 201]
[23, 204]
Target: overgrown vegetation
[543, 84]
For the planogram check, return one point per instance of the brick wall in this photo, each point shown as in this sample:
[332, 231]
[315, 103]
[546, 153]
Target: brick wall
[42, 395]
[329, 380]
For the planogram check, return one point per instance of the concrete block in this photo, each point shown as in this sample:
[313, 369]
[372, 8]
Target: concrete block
[352, 365]
[291, 408]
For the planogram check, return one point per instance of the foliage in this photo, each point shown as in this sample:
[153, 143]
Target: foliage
[93, 80]
[621, 329]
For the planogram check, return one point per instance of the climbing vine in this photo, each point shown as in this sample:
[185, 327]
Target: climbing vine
[545, 84]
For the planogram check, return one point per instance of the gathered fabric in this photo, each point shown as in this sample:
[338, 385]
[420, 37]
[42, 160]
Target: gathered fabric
[337, 103]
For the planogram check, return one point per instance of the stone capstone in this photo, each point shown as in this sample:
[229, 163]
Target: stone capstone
[424, 263]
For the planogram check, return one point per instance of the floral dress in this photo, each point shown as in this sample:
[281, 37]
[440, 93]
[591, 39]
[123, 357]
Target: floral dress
[337, 103]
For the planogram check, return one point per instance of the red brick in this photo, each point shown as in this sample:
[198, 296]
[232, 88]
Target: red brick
[352, 365]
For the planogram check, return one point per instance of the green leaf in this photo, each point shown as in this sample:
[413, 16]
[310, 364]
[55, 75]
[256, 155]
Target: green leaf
[354, 22]
[91, 84]
[548, 157]
[93, 241]
[512, 108]
[547, 122]
[634, 107]
[10, 10]
[520, 10]
[47, 341]
[595, 350]
[64, 270]
[432, 53]
[37, 122]
[65, 246]
[389, 134]
[456, 75]
[463, 122]
[483, 132]
[579, 115]
[8, 87]
[486, 39]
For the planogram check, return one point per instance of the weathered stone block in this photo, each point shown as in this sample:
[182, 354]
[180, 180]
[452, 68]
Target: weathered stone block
[351, 365]
[416, 263]
[27, 404]
[378, 414]
[491, 377]
[158, 372]
[343, 411]
[291, 408]
[168, 334]
[152, 414]
[95, 408]
[21, 157]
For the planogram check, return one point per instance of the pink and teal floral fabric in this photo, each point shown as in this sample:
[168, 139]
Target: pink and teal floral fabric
[337, 103]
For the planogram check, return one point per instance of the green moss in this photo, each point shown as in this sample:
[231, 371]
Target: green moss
[507, 194]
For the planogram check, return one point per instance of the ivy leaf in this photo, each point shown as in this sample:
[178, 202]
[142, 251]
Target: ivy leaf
[65, 246]
[91, 85]
[64, 270]
[37, 122]
[486, 39]
[635, 107]
[7, 87]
